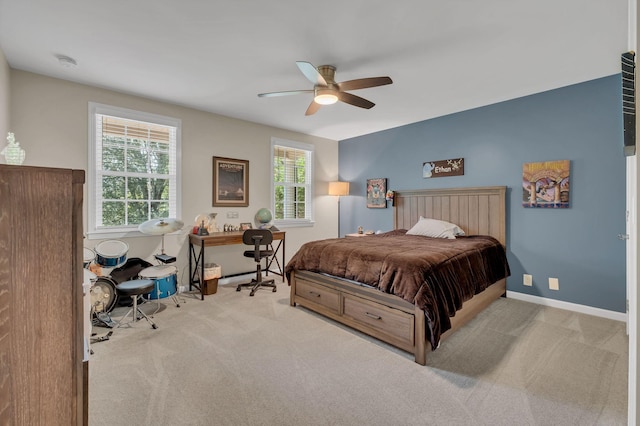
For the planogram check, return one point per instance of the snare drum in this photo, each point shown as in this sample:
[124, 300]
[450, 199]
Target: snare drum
[103, 295]
[111, 253]
[88, 256]
[165, 277]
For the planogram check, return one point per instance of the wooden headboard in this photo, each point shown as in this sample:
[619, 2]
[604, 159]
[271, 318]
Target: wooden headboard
[478, 211]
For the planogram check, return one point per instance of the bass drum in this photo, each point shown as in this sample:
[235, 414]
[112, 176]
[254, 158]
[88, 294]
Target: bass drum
[103, 295]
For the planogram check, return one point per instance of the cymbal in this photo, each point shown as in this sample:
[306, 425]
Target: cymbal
[160, 226]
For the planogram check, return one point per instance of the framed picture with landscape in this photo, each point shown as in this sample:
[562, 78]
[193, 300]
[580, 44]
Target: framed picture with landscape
[230, 182]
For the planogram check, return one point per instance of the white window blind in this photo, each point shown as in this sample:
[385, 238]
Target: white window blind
[292, 172]
[134, 168]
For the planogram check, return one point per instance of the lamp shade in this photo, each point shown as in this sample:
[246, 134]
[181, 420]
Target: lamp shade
[338, 188]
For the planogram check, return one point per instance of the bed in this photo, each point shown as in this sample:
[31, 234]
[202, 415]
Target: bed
[404, 307]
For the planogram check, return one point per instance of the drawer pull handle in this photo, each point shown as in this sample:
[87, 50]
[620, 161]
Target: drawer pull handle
[374, 316]
[314, 294]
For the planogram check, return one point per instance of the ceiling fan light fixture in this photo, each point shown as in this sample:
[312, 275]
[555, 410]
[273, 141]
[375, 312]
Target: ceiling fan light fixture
[325, 97]
[327, 92]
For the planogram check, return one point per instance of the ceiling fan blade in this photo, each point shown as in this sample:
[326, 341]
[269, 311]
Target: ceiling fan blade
[290, 92]
[313, 108]
[311, 73]
[363, 83]
[355, 100]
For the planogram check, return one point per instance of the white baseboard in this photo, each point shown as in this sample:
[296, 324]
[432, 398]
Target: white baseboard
[583, 309]
[237, 279]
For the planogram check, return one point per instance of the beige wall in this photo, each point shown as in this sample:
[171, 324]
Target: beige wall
[50, 117]
[4, 101]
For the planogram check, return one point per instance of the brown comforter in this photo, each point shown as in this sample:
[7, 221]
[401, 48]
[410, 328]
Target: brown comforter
[435, 274]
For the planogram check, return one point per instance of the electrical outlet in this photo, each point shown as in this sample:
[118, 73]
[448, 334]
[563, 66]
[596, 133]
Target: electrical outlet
[232, 215]
[527, 279]
[554, 284]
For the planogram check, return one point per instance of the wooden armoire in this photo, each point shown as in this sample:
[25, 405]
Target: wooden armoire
[43, 379]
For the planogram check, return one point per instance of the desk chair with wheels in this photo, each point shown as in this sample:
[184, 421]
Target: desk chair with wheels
[257, 238]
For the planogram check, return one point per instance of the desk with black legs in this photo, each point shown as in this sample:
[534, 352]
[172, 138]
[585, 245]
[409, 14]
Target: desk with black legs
[196, 257]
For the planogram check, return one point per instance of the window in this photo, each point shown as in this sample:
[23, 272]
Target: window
[134, 168]
[292, 171]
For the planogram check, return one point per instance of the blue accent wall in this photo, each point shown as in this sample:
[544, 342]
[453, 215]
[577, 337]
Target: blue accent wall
[581, 123]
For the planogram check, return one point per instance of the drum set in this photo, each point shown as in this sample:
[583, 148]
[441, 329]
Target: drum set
[107, 265]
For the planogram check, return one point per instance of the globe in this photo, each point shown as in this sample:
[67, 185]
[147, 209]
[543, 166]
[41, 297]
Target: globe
[263, 218]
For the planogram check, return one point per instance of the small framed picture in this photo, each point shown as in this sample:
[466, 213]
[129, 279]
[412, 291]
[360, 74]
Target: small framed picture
[376, 192]
[230, 182]
[245, 226]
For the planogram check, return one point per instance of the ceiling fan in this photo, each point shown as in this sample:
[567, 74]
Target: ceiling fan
[326, 91]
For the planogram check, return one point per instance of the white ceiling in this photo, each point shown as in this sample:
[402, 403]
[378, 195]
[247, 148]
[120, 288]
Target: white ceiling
[443, 56]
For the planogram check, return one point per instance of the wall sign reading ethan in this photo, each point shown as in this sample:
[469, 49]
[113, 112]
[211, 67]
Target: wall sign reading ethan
[442, 168]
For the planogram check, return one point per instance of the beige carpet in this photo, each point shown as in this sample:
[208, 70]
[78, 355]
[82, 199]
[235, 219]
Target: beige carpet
[239, 360]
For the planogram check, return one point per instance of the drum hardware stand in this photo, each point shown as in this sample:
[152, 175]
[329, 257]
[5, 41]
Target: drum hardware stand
[162, 227]
[165, 258]
[137, 314]
[103, 318]
[99, 339]
[162, 257]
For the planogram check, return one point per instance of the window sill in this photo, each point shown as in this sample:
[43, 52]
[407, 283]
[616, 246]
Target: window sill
[293, 224]
[104, 235]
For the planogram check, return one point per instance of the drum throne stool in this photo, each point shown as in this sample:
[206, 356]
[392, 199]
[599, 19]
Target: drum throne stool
[135, 289]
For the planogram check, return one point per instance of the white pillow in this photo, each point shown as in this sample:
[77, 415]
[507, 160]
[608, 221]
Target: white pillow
[435, 228]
